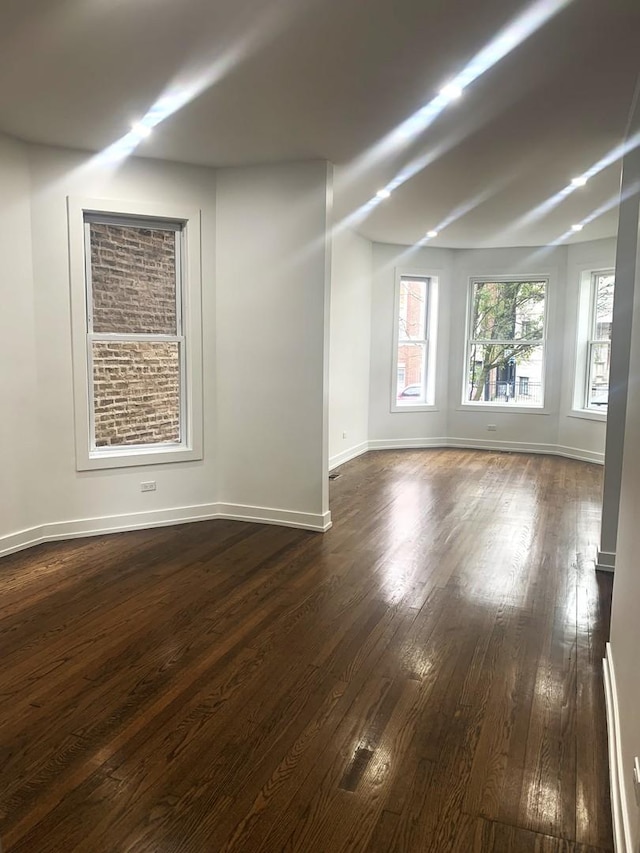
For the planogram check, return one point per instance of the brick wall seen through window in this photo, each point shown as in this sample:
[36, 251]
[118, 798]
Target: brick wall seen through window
[134, 334]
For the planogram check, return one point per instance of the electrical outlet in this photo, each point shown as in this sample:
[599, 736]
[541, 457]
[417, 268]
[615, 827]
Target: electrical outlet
[492, 427]
[149, 486]
[344, 434]
[636, 778]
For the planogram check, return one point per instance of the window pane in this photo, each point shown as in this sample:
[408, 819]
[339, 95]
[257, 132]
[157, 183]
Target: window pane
[505, 374]
[136, 388]
[411, 374]
[598, 393]
[412, 315]
[603, 315]
[508, 310]
[133, 279]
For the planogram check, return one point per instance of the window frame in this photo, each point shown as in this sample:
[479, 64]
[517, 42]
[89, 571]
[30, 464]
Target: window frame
[186, 223]
[592, 341]
[479, 405]
[429, 341]
[584, 327]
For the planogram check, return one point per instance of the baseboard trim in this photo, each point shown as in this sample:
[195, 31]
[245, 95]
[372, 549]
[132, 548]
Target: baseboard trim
[408, 443]
[606, 561]
[488, 444]
[79, 528]
[579, 454]
[318, 522]
[20, 540]
[348, 455]
[619, 806]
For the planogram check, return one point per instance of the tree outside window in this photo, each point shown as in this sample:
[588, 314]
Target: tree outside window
[506, 342]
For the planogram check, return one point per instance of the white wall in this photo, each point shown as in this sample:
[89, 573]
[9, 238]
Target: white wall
[18, 380]
[554, 430]
[273, 280]
[265, 265]
[626, 270]
[68, 496]
[350, 337]
[580, 431]
[625, 624]
[387, 428]
[521, 430]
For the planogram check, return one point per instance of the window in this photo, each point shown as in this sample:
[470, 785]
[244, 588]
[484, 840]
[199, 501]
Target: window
[599, 344]
[414, 342]
[136, 343]
[593, 344]
[505, 347]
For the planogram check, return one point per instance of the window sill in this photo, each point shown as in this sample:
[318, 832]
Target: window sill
[415, 407]
[101, 459]
[588, 415]
[513, 410]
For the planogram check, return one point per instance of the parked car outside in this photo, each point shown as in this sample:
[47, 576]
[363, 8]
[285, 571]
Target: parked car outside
[410, 391]
[600, 398]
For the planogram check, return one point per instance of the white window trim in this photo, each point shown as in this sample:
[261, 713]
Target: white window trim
[586, 297]
[191, 444]
[588, 415]
[481, 405]
[431, 327]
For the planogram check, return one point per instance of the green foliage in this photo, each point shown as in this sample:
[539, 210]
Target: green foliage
[509, 310]
[506, 318]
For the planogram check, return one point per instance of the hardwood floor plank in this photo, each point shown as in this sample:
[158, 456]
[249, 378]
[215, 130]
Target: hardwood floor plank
[385, 834]
[424, 677]
[495, 779]
[492, 837]
[593, 807]
[296, 782]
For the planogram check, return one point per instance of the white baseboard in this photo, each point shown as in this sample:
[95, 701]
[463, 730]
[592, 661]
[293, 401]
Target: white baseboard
[489, 444]
[619, 806]
[348, 455]
[20, 540]
[528, 447]
[408, 443]
[318, 522]
[606, 561]
[580, 455]
[503, 446]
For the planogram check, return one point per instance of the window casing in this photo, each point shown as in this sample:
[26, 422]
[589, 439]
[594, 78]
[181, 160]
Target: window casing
[135, 281]
[415, 316]
[593, 344]
[505, 344]
[596, 391]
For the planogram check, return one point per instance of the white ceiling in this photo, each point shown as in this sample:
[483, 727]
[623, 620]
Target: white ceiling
[295, 79]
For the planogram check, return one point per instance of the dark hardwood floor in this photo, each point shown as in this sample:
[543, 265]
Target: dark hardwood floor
[424, 677]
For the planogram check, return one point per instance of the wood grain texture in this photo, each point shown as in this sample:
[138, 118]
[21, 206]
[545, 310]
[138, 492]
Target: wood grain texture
[424, 677]
[491, 837]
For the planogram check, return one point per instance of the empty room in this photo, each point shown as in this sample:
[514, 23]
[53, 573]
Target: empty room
[319, 427]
